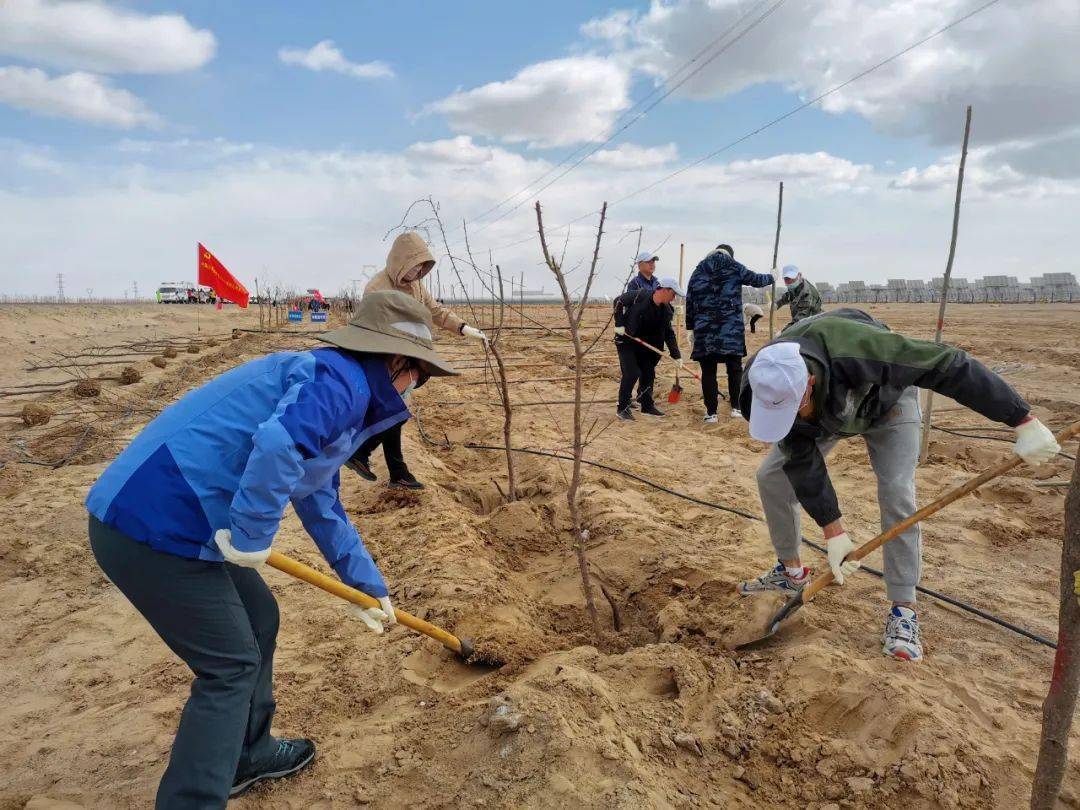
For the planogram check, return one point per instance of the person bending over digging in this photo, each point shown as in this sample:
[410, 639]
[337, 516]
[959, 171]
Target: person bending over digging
[842, 374]
[646, 315]
[408, 262]
[183, 517]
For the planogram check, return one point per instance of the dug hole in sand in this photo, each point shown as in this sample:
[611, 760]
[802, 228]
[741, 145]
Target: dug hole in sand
[656, 714]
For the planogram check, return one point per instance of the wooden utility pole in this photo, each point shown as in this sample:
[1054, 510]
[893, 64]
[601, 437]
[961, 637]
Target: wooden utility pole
[775, 253]
[1064, 683]
[929, 407]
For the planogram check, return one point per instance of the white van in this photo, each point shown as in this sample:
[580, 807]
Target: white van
[172, 293]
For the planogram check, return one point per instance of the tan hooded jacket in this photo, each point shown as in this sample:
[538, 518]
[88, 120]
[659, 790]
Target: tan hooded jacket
[408, 251]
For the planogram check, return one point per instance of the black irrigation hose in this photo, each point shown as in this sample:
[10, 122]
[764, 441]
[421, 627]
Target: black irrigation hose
[990, 438]
[749, 516]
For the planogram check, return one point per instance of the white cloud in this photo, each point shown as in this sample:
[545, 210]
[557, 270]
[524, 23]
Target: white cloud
[327, 56]
[632, 156]
[98, 37]
[80, 96]
[554, 103]
[818, 166]
[1015, 63]
[311, 218]
[614, 26]
[460, 150]
[985, 176]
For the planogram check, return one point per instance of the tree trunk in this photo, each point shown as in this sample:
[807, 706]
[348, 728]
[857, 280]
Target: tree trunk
[1061, 698]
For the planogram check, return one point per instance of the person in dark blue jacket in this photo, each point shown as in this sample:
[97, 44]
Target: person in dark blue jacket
[185, 514]
[646, 272]
[714, 316]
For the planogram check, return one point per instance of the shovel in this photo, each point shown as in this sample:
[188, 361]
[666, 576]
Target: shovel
[675, 392]
[463, 647]
[676, 389]
[808, 592]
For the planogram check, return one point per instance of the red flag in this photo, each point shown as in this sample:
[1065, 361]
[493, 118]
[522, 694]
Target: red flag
[212, 273]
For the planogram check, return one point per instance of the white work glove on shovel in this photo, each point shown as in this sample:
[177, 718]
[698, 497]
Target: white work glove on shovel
[838, 548]
[1035, 444]
[375, 618]
[248, 559]
[473, 332]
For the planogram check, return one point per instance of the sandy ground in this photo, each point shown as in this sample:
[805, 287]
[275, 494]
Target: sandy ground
[658, 714]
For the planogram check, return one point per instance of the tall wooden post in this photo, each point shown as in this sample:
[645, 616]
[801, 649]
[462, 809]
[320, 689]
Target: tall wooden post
[775, 253]
[929, 406]
[259, 299]
[1064, 683]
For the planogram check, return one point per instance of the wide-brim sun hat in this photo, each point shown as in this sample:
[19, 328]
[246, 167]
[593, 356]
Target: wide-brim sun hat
[391, 322]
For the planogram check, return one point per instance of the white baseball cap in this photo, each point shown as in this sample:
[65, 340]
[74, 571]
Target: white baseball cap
[777, 379]
[791, 271]
[646, 256]
[668, 283]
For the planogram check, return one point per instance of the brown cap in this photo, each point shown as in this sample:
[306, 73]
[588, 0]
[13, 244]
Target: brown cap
[391, 322]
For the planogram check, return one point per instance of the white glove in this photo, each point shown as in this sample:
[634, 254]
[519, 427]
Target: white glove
[248, 559]
[375, 618]
[1035, 444]
[839, 547]
[620, 330]
[474, 333]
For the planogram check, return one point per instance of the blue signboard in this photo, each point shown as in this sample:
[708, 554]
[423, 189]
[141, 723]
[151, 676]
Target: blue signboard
[318, 317]
[296, 316]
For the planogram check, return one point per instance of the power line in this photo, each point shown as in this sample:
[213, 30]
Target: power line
[773, 122]
[671, 89]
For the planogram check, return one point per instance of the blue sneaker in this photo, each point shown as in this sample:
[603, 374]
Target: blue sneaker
[775, 580]
[901, 638]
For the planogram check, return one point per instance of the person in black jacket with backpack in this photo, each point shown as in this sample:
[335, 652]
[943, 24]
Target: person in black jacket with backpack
[645, 315]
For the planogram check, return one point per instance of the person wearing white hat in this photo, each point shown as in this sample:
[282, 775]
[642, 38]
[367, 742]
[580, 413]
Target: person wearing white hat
[646, 270]
[801, 295]
[644, 315]
[843, 374]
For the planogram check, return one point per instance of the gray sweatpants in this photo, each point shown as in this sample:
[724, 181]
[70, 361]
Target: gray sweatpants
[893, 446]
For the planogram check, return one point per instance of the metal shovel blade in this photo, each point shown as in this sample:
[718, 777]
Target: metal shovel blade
[758, 634]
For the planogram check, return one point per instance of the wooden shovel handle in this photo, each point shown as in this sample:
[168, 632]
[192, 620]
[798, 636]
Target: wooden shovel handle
[952, 495]
[649, 346]
[338, 588]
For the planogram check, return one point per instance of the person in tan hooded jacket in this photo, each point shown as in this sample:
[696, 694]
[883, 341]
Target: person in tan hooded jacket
[406, 265]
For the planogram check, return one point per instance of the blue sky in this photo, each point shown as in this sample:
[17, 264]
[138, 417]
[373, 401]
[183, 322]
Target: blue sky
[156, 124]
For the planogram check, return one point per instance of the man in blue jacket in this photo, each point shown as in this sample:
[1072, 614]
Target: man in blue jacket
[182, 518]
[646, 272]
[714, 315]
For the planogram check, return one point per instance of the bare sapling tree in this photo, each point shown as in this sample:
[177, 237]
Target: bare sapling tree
[1060, 700]
[490, 346]
[573, 319]
[503, 388]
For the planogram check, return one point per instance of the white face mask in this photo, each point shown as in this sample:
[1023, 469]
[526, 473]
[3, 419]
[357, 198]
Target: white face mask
[408, 390]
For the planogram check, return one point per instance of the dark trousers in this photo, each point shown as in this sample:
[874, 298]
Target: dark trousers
[638, 365]
[753, 322]
[391, 445]
[709, 387]
[222, 620]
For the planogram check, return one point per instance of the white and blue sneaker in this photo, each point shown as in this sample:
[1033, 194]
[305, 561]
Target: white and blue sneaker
[776, 579]
[901, 638]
